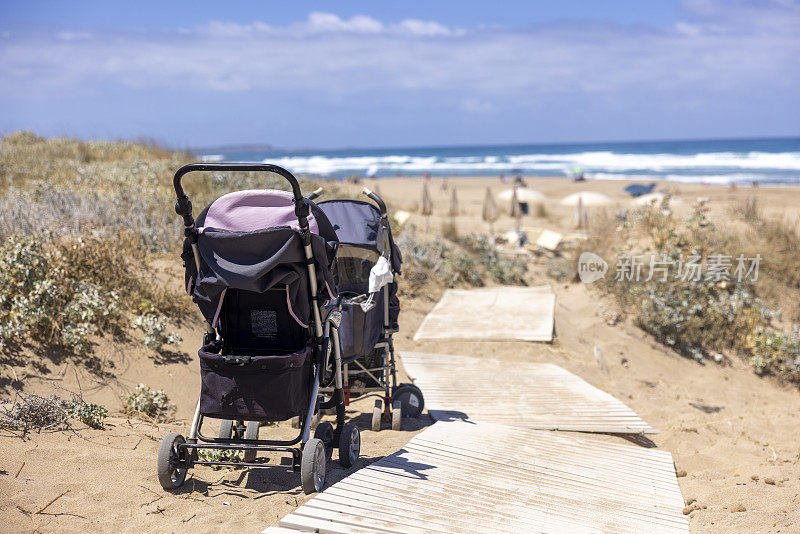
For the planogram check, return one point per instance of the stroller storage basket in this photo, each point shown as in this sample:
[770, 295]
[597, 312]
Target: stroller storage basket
[360, 330]
[254, 388]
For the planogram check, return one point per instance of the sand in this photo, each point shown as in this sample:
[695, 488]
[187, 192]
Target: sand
[741, 464]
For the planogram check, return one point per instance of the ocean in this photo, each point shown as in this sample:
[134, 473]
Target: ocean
[768, 161]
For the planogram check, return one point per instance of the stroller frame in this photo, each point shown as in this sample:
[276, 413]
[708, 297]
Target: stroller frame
[388, 408]
[177, 455]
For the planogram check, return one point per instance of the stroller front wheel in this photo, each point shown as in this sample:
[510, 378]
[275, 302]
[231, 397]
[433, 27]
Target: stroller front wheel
[349, 445]
[397, 415]
[377, 414]
[171, 462]
[312, 466]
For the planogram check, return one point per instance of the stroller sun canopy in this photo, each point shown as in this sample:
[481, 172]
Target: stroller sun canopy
[251, 210]
[358, 223]
[248, 240]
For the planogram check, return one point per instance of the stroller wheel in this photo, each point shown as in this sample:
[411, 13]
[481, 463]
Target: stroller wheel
[324, 433]
[349, 445]
[397, 415]
[170, 463]
[312, 466]
[251, 433]
[377, 411]
[410, 397]
[229, 429]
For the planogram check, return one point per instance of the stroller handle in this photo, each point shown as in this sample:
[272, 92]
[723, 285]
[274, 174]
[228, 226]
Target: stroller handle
[378, 200]
[183, 206]
[315, 194]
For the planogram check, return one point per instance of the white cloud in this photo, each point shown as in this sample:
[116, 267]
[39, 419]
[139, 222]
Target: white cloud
[473, 105]
[75, 36]
[684, 28]
[422, 27]
[715, 48]
[328, 22]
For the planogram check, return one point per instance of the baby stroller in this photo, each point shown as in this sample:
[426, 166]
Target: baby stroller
[366, 264]
[258, 265]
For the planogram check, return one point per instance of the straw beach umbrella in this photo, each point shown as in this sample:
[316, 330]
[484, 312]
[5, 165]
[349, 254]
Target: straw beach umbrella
[490, 214]
[583, 200]
[453, 202]
[516, 210]
[427, 205]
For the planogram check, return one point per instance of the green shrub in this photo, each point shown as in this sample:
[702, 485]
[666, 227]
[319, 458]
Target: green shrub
[149, 402]
[41, 301]
[559, 268]
[155, 331]
[88, 413]
[467, 262]
[777, 353]
[220, 455]
[502, 269]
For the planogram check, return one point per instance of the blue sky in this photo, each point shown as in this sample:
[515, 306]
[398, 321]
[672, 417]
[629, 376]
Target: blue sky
[327, 74]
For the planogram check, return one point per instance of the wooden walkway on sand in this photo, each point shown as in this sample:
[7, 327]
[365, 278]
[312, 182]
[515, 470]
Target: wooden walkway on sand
[465, 477]
[491, 314]
[532, 395]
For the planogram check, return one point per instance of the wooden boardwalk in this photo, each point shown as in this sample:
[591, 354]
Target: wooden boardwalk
[464, 477]
[532, 395]
[492, 314]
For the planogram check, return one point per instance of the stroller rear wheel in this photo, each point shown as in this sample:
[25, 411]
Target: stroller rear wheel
[251, 433]
[410, 397]
[349, 445]
[312, 466]
[171, 462]
[324, 433]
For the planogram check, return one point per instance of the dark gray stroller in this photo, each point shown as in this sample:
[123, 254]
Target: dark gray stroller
[258, 265]
[367, 256]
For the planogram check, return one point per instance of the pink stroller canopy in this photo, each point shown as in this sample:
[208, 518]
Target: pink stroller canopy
[254, 209]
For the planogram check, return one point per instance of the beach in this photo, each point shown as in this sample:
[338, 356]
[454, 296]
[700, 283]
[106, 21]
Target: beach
[739, 465]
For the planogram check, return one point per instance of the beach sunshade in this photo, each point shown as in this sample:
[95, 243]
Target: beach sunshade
[524, 194]
[637, 190]
[427, 205]
[453, 202]
[587, 198]
[489, 207]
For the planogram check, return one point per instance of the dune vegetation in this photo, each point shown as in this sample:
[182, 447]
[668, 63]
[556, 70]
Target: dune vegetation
[722, 313]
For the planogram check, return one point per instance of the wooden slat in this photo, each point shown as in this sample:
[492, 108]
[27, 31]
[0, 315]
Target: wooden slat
[492, 313]
[466, 477]
[539, 396]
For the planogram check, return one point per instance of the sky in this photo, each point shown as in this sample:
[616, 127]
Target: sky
[383, 74]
